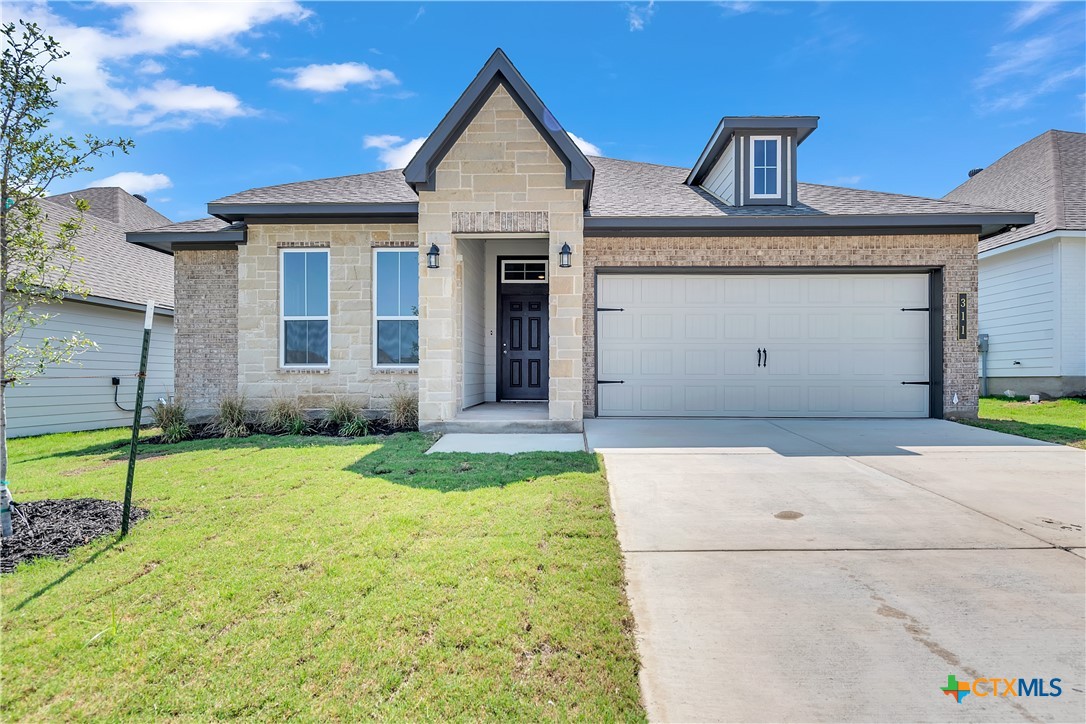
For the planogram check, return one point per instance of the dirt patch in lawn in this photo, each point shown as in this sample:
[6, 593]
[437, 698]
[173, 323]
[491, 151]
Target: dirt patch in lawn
[52, 528]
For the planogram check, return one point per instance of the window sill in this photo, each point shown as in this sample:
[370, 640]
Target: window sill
[305, 370]
[394, 370]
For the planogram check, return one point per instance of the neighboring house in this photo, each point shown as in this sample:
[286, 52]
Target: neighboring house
[502, 264]
[1033, 279]
[121, 278]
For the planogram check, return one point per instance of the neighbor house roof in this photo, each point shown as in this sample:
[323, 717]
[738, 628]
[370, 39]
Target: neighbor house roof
[116, 205]
[1046, 175]
[112, 269]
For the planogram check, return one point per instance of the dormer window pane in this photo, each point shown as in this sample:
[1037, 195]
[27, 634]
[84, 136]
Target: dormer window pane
[766, 169]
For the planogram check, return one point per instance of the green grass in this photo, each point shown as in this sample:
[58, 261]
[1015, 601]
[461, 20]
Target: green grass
[1061, 421]
[322, 578]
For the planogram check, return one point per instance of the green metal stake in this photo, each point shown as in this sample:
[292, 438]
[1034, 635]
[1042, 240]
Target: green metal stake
[147, 320]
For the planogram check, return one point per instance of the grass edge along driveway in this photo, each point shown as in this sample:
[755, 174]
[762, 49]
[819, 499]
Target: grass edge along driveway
[323, 578]
[1061, 421]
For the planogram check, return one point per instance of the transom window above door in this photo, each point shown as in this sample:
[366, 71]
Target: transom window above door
[524, 271]
[396, 308]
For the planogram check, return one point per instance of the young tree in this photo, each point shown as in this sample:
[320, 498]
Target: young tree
[35, 262]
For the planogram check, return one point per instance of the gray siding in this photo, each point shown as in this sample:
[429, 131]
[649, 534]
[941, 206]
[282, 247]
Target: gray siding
[79, 396]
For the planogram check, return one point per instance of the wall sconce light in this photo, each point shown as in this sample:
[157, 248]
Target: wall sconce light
[432, 257]
[565, 257]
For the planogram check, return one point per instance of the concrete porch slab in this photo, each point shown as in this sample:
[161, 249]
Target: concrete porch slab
[510, 443]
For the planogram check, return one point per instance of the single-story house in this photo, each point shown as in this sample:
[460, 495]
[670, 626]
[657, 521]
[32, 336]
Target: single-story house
[98, 389]
[503, 265]
[1032, 280]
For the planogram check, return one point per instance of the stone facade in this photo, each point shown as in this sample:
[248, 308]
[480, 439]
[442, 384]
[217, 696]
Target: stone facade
[351, 373]
[205, 328]
[955, 253]
[500, 164]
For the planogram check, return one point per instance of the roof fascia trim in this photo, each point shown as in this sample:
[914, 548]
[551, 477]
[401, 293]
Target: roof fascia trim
[238, 212]
[419, 172]
[118, 304]
[728, 223]
[1053, 235]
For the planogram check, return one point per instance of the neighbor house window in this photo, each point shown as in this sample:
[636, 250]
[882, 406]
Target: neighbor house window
[396, 307]
[304, 294]
[765, 169]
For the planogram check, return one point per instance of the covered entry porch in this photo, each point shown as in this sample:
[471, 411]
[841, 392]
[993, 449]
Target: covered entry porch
[511, 311]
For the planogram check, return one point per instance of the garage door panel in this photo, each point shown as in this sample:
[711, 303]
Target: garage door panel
[739, 327]
[835, 344]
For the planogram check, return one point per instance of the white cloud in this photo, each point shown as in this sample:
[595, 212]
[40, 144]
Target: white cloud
[336, 77]
[393, 151]
[150, 67]
[99, 84]
[737, 8]
[1020, 70]
[135, 182]
[1031, 12]
[639, 15]
[587, 148]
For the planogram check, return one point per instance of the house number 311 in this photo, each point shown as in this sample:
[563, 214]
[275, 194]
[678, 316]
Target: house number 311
[963, 316]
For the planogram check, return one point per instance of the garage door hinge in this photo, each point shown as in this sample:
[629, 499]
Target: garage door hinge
[610, 309]
[916, 383]
[916, 309]
[610, 382]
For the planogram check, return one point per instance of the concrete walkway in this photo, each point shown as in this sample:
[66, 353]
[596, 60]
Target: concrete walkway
[840, 570]
[510, 443]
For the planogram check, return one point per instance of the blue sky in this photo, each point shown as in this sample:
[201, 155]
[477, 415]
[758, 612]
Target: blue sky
[222, 97]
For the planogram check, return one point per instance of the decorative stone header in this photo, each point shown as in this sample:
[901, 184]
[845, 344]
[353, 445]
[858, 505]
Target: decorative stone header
[505, 222]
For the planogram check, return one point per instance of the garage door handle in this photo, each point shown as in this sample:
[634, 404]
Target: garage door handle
[759, 356]
[610, 382]
[765, 357]
[916, 383]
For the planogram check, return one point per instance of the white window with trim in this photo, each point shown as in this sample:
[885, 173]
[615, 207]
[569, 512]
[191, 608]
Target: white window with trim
[765, 167]
[304, 301]
[396, 307]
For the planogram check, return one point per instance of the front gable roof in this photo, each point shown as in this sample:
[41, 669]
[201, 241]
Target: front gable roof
[420, 172]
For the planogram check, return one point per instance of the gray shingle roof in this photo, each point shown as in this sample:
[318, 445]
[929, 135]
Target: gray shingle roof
[114, 204]
[621, 188]
[111, 267]
[1046, 175]
[632, 188]
[380, 187]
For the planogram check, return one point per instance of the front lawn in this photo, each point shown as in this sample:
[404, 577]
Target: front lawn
[322, 578]
[1061, 421]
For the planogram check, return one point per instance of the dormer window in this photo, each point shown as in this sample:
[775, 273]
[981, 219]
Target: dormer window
[765, 169]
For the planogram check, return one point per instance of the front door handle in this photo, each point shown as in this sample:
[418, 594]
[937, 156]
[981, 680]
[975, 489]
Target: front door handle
[505, 348]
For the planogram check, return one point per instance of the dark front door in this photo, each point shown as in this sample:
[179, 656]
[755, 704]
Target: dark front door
[523, 347]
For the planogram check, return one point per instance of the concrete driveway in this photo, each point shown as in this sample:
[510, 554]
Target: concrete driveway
[840, 570]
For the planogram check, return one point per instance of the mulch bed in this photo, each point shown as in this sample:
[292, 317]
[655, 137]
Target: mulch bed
[203, 431]
[53, 527]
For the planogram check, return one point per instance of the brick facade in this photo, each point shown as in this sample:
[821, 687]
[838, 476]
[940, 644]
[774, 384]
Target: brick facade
[351, 373]
[955, 253]
[499, 166]
[205, 328]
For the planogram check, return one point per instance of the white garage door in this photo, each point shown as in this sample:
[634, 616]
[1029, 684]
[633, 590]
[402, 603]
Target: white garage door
[789, 345]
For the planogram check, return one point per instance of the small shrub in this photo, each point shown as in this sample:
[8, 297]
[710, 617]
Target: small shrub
[403, 410]
[170, 416]
[348, 419]
[230, 422]
[285, 416]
